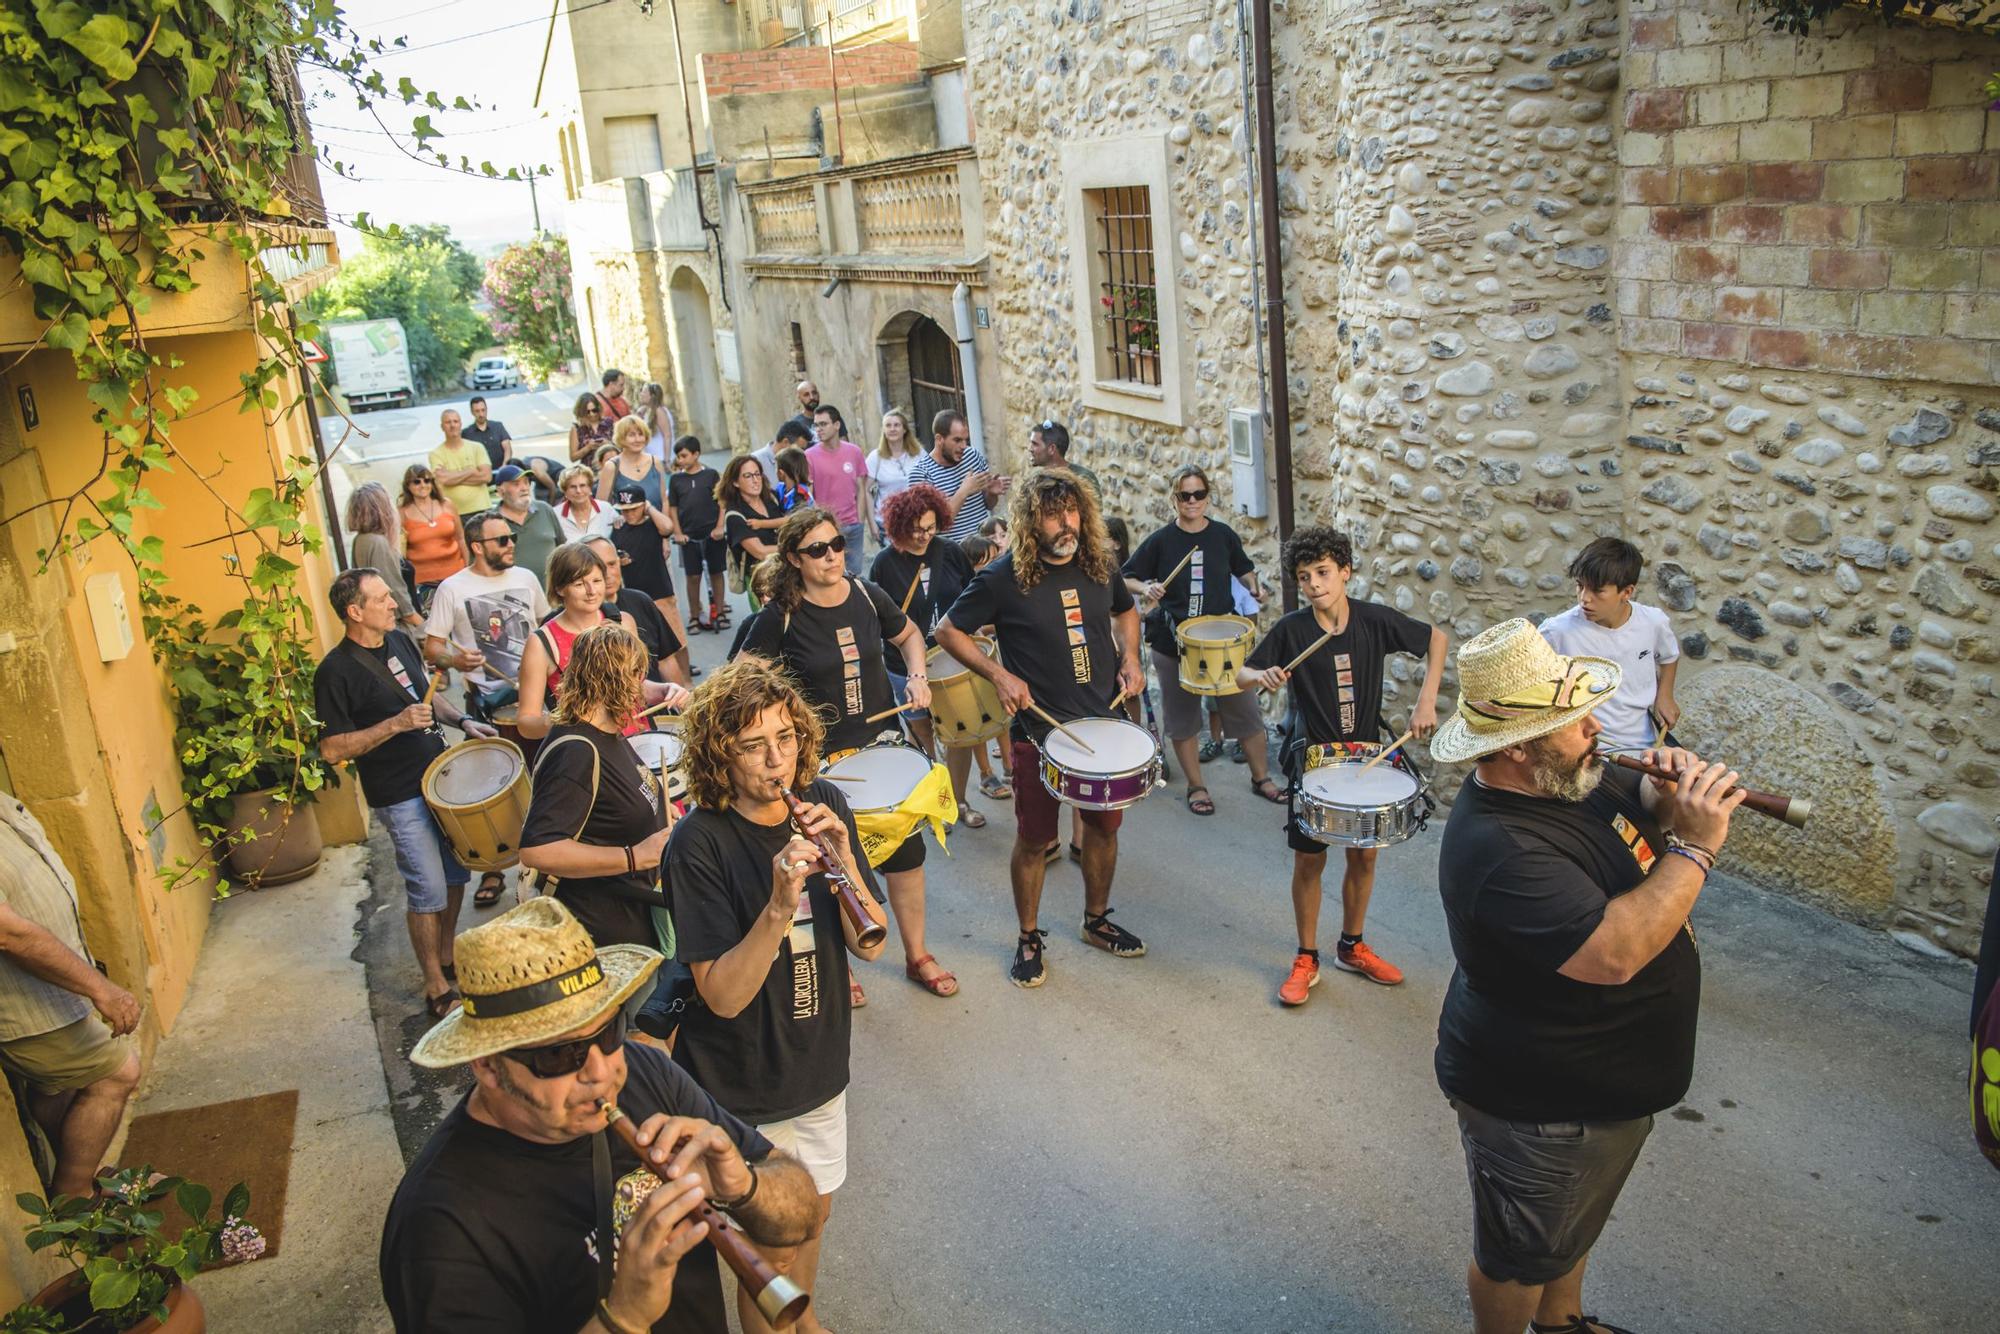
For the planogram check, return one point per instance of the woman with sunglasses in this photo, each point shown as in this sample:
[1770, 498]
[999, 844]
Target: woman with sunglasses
[925, 575]
[577, 587]
[589, 431]
[1200, 588]
[596, 820]
[749, 515]
[830, 632]
[432, 538]
[760, 931]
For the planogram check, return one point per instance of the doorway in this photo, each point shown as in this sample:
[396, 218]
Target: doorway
[696, 379]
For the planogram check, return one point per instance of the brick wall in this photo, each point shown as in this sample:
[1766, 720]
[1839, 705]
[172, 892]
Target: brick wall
[1820, 203]
[788, 68]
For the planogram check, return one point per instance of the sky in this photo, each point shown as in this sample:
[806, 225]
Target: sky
[476, 55]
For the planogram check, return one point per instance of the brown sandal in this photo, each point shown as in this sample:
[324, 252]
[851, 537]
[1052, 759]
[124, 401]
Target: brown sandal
[1274, 794]
[441, 1004]
[944, 984]
[1203, 804]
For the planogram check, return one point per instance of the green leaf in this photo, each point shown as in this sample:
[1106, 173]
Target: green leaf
[194, 1201]
[103, 42]
[112, 1290]
[33, 1204]
[70, 334]
[237, 1202]
[44, 267]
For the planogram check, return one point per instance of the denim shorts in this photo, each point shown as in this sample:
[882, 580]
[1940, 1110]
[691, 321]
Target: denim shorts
[1542, 1191]
[422, 856]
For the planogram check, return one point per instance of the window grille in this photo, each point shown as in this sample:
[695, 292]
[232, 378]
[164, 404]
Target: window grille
[1128, 300]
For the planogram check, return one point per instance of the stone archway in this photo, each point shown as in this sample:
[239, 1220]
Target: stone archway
[696, 381]
[920, 368]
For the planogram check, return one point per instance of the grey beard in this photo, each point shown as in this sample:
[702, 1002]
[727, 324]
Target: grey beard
[1065, 545]
[1566, 783]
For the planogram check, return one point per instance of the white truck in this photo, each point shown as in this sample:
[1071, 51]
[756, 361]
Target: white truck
[371, 363]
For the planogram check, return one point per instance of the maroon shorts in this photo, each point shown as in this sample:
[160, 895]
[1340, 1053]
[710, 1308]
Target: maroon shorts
[1037, 812]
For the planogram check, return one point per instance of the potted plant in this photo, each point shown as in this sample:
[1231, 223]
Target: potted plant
[127, 1275]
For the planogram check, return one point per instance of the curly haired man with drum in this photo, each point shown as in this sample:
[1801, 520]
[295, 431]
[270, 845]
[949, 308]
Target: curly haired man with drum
[1069, 631]
[1335, 648]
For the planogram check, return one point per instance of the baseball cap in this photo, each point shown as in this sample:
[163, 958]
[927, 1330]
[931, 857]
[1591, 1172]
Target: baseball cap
[628, 494]
[507, 472]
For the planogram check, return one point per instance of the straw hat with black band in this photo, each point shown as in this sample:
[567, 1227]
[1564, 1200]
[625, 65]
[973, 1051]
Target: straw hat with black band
[1513, 687]
[529, 976]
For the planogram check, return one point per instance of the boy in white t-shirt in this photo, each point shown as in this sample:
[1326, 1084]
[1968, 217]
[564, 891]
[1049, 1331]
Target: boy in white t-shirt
[1607, 623]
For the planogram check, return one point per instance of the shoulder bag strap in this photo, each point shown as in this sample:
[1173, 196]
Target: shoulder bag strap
[546, 884]
[381, 669]
[600, 1189]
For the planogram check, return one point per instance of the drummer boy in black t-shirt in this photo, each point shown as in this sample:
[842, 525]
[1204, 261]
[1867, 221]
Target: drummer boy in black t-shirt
[1336, 697]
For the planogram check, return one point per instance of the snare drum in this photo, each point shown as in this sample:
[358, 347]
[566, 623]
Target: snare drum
[1212, 649]
[964, 704]
[1122, 765]
[478, 790]
[661, 752]
[878, 778]
[1338, 804]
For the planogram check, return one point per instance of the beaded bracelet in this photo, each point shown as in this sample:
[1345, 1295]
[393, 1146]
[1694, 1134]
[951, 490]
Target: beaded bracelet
[1684, 852]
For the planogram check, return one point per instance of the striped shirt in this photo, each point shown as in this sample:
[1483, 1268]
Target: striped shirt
[972, 511]
[35, 884]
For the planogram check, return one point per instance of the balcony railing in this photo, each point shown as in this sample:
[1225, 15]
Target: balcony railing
[920, 213]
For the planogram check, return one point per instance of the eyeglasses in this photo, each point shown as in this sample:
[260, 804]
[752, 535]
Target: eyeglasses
[566, 1058]
[756, 751]
[931, 531]
[506, 541]
[1192, 495]
[818, 550]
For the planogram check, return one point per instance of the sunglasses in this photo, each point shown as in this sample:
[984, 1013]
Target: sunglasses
[506, 541]
[566, 1058]
[818, 550]
[1192, 495]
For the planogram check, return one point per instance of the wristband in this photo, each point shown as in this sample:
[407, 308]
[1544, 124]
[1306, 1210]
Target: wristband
[731, 1206]
[631, 862]
[612, 1322]
[1676, 841]
[1683, 852]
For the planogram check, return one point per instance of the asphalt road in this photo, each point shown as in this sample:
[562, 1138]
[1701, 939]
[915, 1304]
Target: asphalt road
[379, 445]
[1155, 1144]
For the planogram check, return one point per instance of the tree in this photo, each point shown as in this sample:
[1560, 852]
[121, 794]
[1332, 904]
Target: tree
[528, 286]
[467, 273]
[413, 277]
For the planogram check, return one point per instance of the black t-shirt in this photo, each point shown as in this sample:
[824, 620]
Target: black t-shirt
[647, 570]
[941, 576]
[1524, 882]
[654, 632]
[493, 1234]
[1202, 589]
[613, 908]
[786, 1052]
[1056, 636]
[736, 519]
[692, 496]
[492, 435]
[351, 696]
[1337, 692]
[836, 656]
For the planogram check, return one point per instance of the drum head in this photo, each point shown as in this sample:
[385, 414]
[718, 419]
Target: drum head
[658, 751]
[474, 772]
[1119, 746]
[1214, 629]
[941, 666]
[507, 715]
[877, 778]
[1343, 784]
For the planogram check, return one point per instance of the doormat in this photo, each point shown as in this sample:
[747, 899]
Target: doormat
[247, 1140]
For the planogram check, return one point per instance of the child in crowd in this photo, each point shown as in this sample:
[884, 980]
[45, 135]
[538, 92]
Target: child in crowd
[794, 486]
[1607, 623]
[1335, 702]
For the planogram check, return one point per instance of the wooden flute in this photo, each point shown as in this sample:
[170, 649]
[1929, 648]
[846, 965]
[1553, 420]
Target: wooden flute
[1792, 810]
[868, 933]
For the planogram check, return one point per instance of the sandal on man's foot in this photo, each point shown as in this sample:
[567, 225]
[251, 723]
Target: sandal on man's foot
[970, 818]
[996, 787]
[1203, 804]
[1099, 930]
[1052, 853]
[944, 984]
[1267, 788]
[1210, 748]
[1030, 969]
[441, 1004]
[491, 886]
[1583, 1324]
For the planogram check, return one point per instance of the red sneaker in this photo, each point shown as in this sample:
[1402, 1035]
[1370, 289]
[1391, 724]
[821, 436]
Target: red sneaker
[1305, 976]
[1358, 958]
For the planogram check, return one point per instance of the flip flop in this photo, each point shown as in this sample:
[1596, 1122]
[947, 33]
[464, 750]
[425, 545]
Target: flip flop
[1203, 804]
[491, 886]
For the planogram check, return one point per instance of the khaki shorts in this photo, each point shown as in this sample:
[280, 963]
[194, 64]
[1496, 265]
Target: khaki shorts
[69, 1057]
[818, 1139]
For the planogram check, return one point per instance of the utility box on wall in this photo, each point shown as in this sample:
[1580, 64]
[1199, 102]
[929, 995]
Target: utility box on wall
[1246, 462]
[105, 595]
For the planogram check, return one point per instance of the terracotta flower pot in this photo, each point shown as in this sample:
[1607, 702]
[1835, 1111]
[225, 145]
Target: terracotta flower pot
[184, 1311]
[286, 846]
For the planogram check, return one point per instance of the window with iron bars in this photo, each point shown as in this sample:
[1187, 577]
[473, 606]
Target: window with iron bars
[1128, 301]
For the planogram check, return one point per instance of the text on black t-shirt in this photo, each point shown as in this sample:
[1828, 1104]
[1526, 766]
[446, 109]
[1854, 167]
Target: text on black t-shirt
[836, 656]
[1336, 694]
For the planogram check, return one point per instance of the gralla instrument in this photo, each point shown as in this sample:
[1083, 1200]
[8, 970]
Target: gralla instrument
[780, 1300]
[1347, 799]
[478, 790]
[1794, 811]
[1120, 766]
[964, 704]
[1212, 649]
[868, 932]
[661, 752]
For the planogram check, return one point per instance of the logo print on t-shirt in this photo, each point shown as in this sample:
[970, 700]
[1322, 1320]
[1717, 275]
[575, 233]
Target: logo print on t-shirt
[1635, 842]
[1195, 582]
[802, 944]
[850, 669]
[1343, 679]
[1079, 647]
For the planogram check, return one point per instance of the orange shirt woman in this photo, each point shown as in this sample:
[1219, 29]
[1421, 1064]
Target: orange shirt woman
[433, 539]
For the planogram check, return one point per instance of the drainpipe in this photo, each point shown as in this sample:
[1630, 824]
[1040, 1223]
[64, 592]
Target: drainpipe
[968, 364]
[1274, 278]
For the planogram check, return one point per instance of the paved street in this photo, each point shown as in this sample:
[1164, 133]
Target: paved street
[379, 445]
[1156, 1144]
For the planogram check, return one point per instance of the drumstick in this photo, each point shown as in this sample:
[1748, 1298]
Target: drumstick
[1174, 573]
[1311, 649]
[1039, 712]
[1384, 753]
[652, 709]
[432, 689]
[914, 581]
[889, 712]
[1117, 699]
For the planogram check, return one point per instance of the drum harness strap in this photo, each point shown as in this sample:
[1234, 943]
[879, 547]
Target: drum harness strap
[381, 670]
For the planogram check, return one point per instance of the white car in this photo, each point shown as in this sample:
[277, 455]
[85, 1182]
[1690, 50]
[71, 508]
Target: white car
[494, 373]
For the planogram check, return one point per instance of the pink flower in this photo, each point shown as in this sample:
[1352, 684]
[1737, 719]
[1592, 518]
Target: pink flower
[241, 1241]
